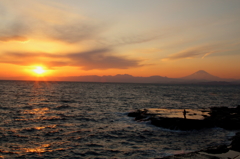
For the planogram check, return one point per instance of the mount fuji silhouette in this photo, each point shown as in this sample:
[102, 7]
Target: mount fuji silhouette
[202, 75]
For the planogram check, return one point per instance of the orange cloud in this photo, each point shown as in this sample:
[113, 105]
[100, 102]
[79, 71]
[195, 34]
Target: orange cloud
[99, 59]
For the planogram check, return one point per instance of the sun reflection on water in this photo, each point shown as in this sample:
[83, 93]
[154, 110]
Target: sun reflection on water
[39, 149]
[40, 128]
[37, 111]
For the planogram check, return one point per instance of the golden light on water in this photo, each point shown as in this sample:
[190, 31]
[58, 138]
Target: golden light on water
[40, 149]
[37, 111]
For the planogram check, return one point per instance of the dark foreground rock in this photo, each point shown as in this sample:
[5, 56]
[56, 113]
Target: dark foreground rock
[220, 152]
[181, 124]
[227, 118]
[235, 145]
[175, 119]
[231, 151]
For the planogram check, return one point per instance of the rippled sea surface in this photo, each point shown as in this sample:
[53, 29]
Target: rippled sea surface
[89, 120]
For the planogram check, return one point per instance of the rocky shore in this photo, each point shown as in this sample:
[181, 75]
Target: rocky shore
[190, 119]
[231, 151]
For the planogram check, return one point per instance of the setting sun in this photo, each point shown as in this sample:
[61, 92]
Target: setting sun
[39, 70]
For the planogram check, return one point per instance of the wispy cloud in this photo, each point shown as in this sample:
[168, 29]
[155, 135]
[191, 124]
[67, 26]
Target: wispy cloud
[75, 32]
[22, 23]
[14, 30]
[36, 21]
[130, 39]
[195, 52]
[100, 59]
[13, 38]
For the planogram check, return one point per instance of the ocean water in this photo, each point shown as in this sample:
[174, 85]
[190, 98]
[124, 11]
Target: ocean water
[89, 120]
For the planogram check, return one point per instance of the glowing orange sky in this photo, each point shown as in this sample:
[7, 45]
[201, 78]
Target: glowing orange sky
[141, 38]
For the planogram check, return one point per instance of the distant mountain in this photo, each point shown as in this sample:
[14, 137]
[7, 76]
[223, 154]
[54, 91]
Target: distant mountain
[202, 75]
[122, 78]
[119, 78]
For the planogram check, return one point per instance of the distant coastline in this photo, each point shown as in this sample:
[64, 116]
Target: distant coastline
[213, 83]
[199, 77]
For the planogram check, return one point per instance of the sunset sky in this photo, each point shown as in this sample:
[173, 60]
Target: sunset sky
[170, 38]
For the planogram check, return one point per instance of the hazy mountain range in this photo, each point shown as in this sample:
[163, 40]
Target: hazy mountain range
[201, 77]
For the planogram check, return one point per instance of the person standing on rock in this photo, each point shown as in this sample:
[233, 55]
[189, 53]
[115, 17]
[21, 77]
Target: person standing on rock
[184, 113]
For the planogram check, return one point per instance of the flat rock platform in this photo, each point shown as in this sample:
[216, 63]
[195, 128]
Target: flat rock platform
[189, 119]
